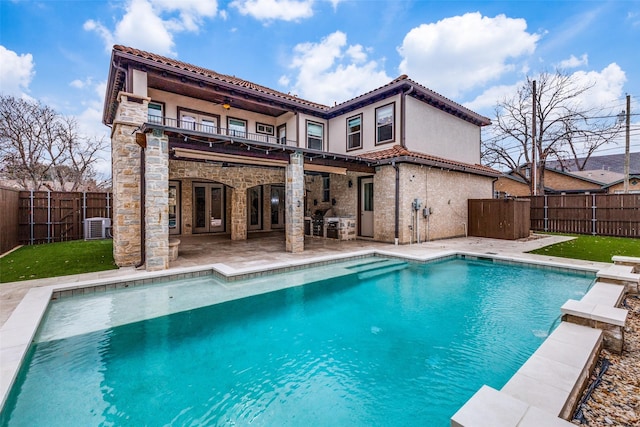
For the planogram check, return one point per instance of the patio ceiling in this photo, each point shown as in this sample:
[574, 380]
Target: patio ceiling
[198, 146]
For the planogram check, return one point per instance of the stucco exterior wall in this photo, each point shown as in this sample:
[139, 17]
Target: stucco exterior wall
[432, 131]
[338, 129]
[172, 101]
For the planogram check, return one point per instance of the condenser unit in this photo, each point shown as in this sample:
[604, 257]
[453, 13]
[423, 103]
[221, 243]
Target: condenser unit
[97, 228]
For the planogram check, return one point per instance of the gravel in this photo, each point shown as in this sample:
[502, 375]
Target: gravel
[616, 400]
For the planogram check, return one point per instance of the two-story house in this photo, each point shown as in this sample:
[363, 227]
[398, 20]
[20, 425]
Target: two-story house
[195, 151]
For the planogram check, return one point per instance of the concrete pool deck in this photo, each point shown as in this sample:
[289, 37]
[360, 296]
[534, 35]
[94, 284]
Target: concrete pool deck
[24, 303]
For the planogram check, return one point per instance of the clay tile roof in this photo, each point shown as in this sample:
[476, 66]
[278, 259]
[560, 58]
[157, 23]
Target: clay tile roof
[214, 75]
[397, 151]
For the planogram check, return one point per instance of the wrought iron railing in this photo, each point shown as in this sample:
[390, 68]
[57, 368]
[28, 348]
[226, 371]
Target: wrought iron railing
[211, 129]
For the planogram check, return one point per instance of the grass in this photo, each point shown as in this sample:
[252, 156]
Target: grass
[592, 248]
[57, 259]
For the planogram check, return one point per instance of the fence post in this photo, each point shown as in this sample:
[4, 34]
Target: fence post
[107, 195]
[593, 214]
[48, 216]
[546, 213]
[31, 218]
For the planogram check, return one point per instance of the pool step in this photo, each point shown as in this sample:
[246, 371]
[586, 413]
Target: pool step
[358, 266]
[381, 268]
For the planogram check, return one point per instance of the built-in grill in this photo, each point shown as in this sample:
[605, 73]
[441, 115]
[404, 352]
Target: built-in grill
[317, 222]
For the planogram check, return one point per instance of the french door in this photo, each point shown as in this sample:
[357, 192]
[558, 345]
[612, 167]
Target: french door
[208, 208]
[277, 206]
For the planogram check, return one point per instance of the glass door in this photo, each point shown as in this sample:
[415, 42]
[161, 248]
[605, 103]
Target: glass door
[277, 206]
[174, 207]
[208, 208]
[366, 207]
[254, 206]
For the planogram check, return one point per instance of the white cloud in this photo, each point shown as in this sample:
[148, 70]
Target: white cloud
[485, 102]
[151, 24]
[331, 71]
[606, 86]
[270, 10]
[16, 72]
[605, 90]
[462, 52]
[573, 62]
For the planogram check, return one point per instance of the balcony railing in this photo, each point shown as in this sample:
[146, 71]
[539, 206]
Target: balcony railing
[211, 129]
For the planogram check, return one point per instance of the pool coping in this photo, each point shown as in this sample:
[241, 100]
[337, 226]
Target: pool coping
[18, 332]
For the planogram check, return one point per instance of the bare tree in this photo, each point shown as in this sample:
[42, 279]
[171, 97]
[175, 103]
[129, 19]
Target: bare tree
[566, 129]
[41, 149]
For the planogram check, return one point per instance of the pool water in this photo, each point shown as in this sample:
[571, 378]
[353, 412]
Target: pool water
[402, 345]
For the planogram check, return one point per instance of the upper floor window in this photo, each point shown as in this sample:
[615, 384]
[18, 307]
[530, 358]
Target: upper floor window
[282, 134]
[237, 127]
[354, 132]
[315, 135]
[384, 123]
[155, 112]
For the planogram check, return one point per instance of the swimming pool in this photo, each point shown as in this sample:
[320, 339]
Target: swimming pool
[385, 342]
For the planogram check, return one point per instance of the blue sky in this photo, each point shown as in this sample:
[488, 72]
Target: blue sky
[474, 52]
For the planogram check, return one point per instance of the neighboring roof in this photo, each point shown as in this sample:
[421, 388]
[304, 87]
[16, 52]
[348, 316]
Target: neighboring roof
[400, 154]
[599, 175]
[610, 162]
[401, 84]
[620, 181]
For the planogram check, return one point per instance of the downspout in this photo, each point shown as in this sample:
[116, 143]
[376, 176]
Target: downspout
[126, 75]
[397, 225]
[143, 186]
[403, 109]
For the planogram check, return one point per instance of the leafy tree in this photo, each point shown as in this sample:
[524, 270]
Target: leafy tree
[566, 127]
[41, 149]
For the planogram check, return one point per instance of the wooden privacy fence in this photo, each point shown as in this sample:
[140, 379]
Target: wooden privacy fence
[46, 216]
[9, 202]
[596, 214]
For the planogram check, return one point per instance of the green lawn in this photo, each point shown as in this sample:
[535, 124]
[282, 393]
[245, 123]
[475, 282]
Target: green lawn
[57, 259]
[593, 248]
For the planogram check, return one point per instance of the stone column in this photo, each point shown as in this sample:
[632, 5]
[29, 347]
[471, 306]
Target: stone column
[294, 197]
[239, 213]
[156, 201]
[125, 164]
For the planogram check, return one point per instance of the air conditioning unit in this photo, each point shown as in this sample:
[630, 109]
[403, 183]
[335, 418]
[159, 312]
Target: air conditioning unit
[97, 228]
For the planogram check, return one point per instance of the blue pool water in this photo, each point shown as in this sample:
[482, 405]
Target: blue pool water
[407, 347]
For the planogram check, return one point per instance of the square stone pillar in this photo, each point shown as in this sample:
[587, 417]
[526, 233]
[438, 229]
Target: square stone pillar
[156, 201]
[294, 203]
[125, 167]
[239, 213]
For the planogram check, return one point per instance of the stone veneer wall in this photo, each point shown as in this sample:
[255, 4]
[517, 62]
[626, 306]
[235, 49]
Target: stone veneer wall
[125, 155]
[237, 179]
[445, 192]
[346, 197]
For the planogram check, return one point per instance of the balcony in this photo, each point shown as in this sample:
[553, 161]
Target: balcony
[210, 130]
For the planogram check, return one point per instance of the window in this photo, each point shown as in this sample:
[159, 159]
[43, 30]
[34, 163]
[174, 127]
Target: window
[155, 113]
[384, 123]
[264, 129]
[237, 127]
[282, 134]
[354, 131]
[326, 194]
[314, 135]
